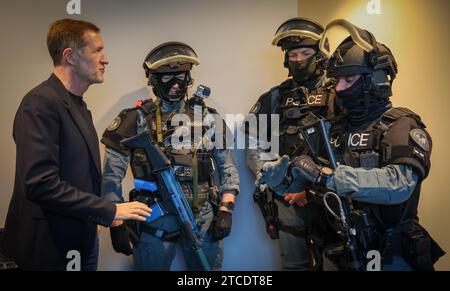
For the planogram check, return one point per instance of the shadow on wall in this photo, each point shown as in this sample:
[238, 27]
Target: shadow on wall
[241, 253]
[124, 102]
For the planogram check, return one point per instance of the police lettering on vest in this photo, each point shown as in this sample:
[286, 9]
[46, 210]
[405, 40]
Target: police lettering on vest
[358, 140]
[315, 100]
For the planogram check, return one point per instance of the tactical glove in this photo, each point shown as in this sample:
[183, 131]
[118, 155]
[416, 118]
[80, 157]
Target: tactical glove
[221, 225]
[121, 236]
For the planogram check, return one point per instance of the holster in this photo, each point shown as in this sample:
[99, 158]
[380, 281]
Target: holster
[269, 212]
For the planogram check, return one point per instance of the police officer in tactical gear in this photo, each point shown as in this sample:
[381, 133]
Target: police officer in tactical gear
[168, 68]
[383, 154]
[307, 90]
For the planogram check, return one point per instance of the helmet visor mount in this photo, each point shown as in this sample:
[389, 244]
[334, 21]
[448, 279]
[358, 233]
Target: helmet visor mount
[172, 64]
[171, 57]
[299, 35]
[363, 54]
[353, 56]
[297, 32]
[354, 31]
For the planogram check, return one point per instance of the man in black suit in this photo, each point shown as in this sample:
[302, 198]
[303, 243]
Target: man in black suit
[55, 207]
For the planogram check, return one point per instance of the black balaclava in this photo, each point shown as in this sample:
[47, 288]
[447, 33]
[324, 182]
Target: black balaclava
[162, 89]
[361, 105]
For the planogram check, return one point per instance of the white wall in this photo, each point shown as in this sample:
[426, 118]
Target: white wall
[232, 39]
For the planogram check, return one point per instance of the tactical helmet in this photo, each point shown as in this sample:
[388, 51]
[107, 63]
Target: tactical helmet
[360, 53]
[297, 33]
[170, 58]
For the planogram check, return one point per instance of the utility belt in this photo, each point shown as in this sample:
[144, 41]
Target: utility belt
[316, 231]
[412, 242]
[160, 233]
[408, 240]
[269, 210]
[139, 227]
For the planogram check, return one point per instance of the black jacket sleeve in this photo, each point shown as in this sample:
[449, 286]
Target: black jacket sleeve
[36, 133]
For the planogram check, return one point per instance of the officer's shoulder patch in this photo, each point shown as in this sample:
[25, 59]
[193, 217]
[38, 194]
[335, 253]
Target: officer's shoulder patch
[115, 124]
[255, 109]
[420, 138]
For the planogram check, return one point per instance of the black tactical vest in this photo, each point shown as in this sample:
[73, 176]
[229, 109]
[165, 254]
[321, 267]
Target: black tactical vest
[182, 159]
[386, 141]
[292, 105]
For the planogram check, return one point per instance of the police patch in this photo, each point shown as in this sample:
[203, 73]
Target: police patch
[115, 124]
[420, 138]
[255, 109]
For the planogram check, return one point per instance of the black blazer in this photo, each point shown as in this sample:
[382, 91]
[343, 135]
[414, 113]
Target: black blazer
[55, 206]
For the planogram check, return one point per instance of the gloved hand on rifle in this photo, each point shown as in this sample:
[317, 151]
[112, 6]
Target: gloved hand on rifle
[279, 177]
[121, 236]
[306, 168]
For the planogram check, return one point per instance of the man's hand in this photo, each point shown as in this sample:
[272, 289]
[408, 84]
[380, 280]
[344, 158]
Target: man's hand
[273, 173]
[220, 227]
[299, 198]
[132, 210]
[121, 236]
[309, 170]
[116, 223]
